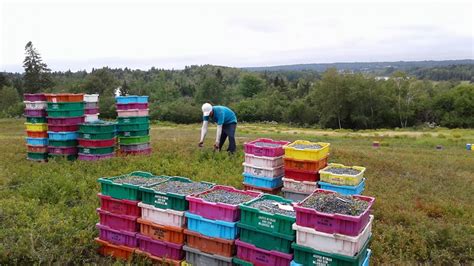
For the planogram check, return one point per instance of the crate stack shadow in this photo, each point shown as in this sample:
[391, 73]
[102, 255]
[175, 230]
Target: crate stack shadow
[263, 166]
[133, 126]
[97, 140]
[91, 110]
[65, 114]
[36, 127]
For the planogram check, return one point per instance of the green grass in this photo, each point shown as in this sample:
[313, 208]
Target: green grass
[424, 209]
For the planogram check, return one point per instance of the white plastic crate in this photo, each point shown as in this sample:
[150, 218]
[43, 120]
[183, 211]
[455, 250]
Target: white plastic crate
[261, 161]
[299, 186]
[332, 243]
[91, 118]
[35, 105]
[91, 98]
[264, 171]
[162, 216]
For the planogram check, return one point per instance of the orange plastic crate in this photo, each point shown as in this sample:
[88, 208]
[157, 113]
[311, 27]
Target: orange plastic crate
[38, 149]
[313, 166]
[37, 134]
[212, 245]
[64, 97]
[161, 232]
[108, 249]
[159, 260]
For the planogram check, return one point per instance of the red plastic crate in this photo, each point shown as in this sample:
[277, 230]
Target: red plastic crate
[36, 134]
[305, 165]
[117, 237]
[251, 148]
[63, 128]
[118, 221]
[64, 97]
[120, 206]
[273, 191]
[333, 223]
[261, 257]
[160, 248]
[97, 143]
[37, 149]
[217, 210]
[302, 175]
[116, 251]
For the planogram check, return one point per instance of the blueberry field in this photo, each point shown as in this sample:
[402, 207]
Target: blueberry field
[424, 211]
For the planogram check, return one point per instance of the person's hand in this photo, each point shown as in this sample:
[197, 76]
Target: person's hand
[201, 144]
[216, 146]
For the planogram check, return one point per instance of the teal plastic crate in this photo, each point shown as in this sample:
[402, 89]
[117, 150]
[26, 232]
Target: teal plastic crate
[265, 240]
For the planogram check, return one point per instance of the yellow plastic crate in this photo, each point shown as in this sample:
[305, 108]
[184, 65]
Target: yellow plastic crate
[38, 127]
[184, 263]
[306, 154]
[338, 179]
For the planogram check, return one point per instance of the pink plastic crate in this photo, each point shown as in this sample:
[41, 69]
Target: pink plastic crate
[267, 151]
[136, 152]
[35, 113]
[120, 206]
[261, 257]
[62, 150]
[132, 106]
[63, 128]
[132, 112]
[95, 157]
[36, 97]
[91, 111]
[217, 210]
[118, 221]
[333, 223]
[160, 248]
[65, 121]
[117, 237]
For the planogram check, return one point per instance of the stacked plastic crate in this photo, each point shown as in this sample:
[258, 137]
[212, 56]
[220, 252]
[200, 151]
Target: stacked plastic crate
[36, 127]
[97, 140]
[163, 218]
[91, 107]
[119, 212]
[133, 126]
[65, 114]
[328, 235]
[303, 159]
[266, 233]
[212, 225]
[263, 166]
[346, 180]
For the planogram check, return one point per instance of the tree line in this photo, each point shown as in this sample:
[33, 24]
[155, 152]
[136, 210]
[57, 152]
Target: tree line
[331, 99]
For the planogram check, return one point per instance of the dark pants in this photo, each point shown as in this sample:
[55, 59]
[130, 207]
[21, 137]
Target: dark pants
[228, 131]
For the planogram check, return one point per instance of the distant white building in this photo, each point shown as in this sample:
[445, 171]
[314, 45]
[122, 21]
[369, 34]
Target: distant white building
[382, 78]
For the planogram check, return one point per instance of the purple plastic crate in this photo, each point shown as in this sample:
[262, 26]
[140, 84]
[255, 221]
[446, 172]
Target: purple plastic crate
[34, 97]
[35, 113]
[91, 111]
[95, 157]
[160, 248]
[66, 121]
[131, 106]
[117, 237]
[118, 221]
[258, 256]
[137, 147]
[265, 147]
[62, 150]
[333, 223]
[217, 210]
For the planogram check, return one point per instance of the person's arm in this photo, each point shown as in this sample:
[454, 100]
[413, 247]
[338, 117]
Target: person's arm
[203, 130]
[218, 133]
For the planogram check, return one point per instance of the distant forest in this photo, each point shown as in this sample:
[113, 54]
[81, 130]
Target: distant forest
[334, 98]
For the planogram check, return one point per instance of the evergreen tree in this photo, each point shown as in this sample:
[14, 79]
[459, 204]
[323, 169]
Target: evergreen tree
[37, 74]
[124, 89]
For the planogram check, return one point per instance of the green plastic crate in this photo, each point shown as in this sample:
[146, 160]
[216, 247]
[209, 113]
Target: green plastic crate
[65, 106]
[163, 200]
[266, 240]
[133, 120]
[239, 262]
[138, 133]
[133, 140]
[309, 256]
[96, 136]
[63, 143]
[98, 127]
[70, 157]
[264, 221]
[96, 150]
[133, 127]
[35, 120]
[125, 191]
[68, 113]
[37, 155]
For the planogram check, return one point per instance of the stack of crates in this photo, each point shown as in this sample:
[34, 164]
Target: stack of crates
[343, 183]
[303, 160]
[36, 127]
[332, 238]
[65, 114]
[266, 234]
[163, 218]
[91, 107]
[133, 127]
[213, 216]
[263, 166]
[97, 140]
[119, 212]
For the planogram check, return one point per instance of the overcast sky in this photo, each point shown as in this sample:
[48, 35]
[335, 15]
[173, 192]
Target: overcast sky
[88, 34]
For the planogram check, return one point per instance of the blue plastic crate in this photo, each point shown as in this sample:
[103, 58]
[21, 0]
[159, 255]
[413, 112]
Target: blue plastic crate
[37, 141]
[62, 135]
[131, 99]
[469, 147]
[367, 258]
[212, 228]
[344, 190]
[261, 181]
[294, 263]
